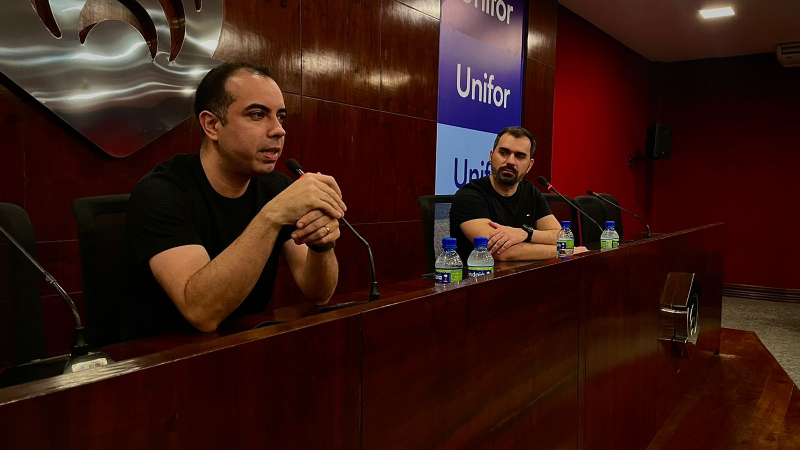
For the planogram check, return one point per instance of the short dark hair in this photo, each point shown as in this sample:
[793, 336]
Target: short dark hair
[211, 94]
[517, 132]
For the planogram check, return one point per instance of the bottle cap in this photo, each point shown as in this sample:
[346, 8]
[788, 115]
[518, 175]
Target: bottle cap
[565, 224]
[449, 243]
[480, 241]
[609, 224]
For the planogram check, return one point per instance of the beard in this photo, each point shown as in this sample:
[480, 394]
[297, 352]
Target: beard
[503, 178]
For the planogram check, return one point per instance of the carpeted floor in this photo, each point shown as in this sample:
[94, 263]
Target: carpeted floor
[777, 324]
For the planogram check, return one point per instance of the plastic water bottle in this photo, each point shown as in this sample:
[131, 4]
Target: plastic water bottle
[480, 261]
[609, 240]
[565, 246]
[449, 268]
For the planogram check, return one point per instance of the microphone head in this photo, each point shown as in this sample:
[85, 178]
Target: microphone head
[294, 167]
[591, 192]
[543, 181]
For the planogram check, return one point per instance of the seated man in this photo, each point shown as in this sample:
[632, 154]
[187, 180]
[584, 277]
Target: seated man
[204, 231]
[504, 207]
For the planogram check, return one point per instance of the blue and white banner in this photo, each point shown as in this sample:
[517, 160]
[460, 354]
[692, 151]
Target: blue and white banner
[480, 85]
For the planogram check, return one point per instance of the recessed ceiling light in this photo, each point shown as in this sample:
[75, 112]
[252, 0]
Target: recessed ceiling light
[717, 12]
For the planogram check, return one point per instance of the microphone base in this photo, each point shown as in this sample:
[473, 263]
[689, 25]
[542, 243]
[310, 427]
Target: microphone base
[85, 362]
[373, 293]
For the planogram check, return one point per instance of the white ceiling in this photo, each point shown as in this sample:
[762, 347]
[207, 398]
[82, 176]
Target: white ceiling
[673, 30]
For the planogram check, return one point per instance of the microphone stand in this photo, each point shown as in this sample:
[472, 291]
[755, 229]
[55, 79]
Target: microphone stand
[596, 195]
[295, 167]
[373, 292]
[79, 358]
[550, 187]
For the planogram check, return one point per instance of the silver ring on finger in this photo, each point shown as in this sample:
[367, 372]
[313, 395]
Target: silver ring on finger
[329, 231]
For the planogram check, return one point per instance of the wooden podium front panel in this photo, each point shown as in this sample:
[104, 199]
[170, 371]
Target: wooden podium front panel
[296, 390]
[490, 365]
[621, 291]
[630, 383]
[700, 253]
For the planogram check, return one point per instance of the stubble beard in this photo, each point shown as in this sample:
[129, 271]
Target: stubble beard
[503, 179]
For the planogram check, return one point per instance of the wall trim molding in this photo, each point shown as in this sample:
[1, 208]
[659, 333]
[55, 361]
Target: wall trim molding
[761, 293]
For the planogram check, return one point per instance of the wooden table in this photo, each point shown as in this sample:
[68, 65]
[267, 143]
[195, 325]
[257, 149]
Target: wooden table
[552, 354]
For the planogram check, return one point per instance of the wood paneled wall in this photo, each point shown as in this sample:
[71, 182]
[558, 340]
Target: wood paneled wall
[360, 79]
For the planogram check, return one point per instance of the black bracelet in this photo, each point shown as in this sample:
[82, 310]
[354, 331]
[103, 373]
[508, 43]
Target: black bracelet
[530, 231]
[322, 248]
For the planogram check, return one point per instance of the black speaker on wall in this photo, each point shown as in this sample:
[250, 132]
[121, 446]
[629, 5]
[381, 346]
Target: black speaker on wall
[659, 141]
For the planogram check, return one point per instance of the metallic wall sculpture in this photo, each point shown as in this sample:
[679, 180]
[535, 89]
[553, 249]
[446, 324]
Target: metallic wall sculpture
[121, 72]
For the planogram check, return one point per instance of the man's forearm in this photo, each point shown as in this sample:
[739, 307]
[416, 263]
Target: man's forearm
[548, 237]
[320, 276]
[527, 252]
[217, 289]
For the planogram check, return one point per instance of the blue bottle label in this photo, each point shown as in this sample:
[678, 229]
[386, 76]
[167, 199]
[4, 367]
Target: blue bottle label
[447, 276]
[478, 271]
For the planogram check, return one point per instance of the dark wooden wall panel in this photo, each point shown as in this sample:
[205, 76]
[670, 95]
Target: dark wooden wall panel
[267, 32]
[542, 160]
[341, 51]
[542, 25]
[59, 325]
[410, 61]
[537, 115]
[379, 160]
[12, 156]
[381, 55]
[429, 7]
[391, 243]
[539, 84]
[60, 167]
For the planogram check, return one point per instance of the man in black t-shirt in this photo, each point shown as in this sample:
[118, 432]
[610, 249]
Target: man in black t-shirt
[505, 207]
[204, 231]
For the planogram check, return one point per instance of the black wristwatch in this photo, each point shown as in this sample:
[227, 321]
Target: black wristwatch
[322, 248]
[530, 231]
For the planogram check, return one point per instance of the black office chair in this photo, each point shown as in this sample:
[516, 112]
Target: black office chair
[595, 208]
[435, 224]
[564, 211]
[101, 236]
[613, 213]
[21, 327]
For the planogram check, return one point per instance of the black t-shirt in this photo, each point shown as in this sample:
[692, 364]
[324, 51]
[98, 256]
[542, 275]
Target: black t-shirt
[176, 205]
[479, 200]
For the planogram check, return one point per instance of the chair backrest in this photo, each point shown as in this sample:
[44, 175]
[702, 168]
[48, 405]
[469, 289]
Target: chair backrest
[564, 211]
[597, 211]
[435, 224]
[101, 236]
[21, 328]
[613, 213]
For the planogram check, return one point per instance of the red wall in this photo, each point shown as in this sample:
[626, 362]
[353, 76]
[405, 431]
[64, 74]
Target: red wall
[600, 115]
[735, 157]
[735, 148]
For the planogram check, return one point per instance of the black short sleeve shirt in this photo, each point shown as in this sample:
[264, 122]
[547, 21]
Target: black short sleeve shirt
[479, 200]
[175, 205]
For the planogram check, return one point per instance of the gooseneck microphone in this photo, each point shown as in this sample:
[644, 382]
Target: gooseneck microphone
[79, 358]
[543, 181]
[296, 169]
[595, 194]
